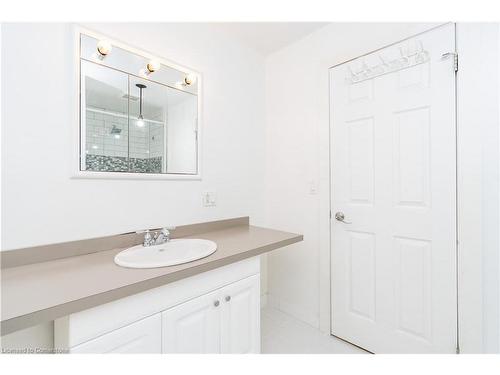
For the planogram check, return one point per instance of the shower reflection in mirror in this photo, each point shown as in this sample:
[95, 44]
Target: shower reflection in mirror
[133, 122]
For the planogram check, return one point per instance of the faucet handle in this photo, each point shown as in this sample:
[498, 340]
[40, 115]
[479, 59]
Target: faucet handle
[166, 231]
[148, 239]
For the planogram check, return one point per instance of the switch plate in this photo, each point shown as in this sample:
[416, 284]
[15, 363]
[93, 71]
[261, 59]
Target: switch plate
[209, 198]
[313, 188]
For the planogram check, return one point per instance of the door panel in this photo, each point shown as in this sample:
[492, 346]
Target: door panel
[413, 287]
[411, 157]
[361, 160]
[143, 336]
[393, 164]
[240, 331]
[361, 268]
[193, 326]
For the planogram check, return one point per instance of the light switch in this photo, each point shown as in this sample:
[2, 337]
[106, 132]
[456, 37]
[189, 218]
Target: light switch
[313, 189]
[209, 198]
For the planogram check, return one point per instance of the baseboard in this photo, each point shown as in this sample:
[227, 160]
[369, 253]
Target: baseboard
[298, 312]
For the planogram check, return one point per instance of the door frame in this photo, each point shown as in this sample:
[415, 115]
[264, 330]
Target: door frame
[469, 263]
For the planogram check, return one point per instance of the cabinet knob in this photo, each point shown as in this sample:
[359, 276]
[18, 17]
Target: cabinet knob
[228, 298]
[216, 303]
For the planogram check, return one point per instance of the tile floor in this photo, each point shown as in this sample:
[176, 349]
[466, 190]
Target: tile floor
[283, 334]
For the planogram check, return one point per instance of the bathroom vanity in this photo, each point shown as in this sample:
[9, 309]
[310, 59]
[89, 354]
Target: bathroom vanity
[214, 312]
[210, 305]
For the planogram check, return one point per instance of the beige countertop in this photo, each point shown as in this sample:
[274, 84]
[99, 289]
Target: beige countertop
[40, 292]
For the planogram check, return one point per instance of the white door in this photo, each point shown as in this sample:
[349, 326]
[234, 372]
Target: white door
[143, 336]
[393, 166]
[240, 326]
[193, 326]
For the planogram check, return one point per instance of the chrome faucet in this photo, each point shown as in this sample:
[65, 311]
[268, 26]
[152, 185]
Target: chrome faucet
[158, 238]
[162, 236]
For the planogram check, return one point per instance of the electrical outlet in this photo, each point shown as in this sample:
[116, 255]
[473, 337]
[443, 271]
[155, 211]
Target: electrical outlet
[209, 199]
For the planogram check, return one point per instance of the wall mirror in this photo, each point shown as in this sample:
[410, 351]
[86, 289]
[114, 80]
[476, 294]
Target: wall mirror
[138, 115]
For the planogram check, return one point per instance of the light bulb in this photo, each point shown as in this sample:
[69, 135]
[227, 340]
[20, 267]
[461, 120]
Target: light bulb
[190, 79]
[153, 66]
[140, 122]
[117, 136]
[104, 47]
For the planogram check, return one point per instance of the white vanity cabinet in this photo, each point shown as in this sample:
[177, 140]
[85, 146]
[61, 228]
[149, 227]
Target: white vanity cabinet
[225, 321]
[240, 317]
[193, 326]
[139, 337]
[213, 312]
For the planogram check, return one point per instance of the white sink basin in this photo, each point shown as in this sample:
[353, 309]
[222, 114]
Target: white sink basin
[168, 254]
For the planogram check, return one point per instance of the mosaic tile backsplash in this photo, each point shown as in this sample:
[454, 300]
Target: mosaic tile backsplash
[101, 163]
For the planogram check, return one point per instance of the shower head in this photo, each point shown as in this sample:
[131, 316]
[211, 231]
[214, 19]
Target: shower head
[115, 130]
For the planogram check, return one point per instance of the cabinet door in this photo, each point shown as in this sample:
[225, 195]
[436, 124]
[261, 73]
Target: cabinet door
[193, 326]
[143, 336]
[240, 330]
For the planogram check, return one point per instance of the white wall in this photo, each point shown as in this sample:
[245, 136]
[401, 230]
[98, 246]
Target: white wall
[41, 204]
[479, 189]
[297, 159]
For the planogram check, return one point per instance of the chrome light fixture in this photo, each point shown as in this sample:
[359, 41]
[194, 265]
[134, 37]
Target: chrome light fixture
[104, 48]
[189, 79]
[153, 66]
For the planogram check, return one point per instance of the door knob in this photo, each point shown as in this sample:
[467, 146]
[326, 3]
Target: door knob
[228, 298]
[339, 216]
[216, 303]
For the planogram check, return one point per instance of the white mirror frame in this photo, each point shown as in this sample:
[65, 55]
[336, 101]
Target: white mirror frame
[76, 172]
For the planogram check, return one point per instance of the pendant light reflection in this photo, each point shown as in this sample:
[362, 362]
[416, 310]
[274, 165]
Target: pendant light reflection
[140, 119]
[140, 122]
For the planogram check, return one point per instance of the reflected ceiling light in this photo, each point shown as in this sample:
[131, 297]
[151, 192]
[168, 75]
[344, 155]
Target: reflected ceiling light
[153, 66]
[140, 118]
[190, 79]
[104, 48]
